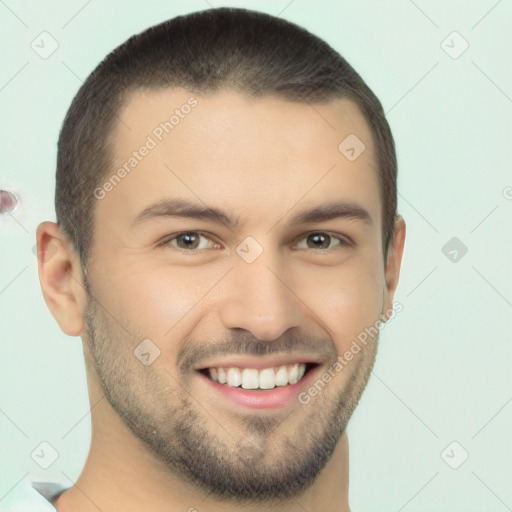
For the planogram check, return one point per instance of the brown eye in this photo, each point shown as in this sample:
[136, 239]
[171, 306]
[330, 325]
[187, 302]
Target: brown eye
[189, 241]
[323, 241]
[319, 240]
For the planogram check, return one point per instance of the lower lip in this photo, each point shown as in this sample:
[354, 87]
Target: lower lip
[270, 399]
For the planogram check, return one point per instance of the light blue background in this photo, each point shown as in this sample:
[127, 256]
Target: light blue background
[443, 371]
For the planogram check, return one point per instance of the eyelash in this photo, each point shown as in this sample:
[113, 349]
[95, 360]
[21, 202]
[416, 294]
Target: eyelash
[343, 242]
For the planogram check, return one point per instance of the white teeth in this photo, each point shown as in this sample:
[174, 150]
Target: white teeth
[234, 377]
[251, 378]
[281, 376]
[293, 374]
[221, 375]
[267, 378]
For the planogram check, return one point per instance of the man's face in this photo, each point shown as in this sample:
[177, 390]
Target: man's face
[264, 293]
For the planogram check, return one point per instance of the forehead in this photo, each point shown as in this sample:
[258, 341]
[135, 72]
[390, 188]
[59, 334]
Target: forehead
[228, 147]
[221, 114]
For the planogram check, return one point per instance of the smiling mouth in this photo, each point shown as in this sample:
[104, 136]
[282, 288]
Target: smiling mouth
[259, 379]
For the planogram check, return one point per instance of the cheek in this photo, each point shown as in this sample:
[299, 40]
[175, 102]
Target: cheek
[165, 296]
[346, 299]
[153, 300]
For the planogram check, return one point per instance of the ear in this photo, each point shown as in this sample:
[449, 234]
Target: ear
[393, 264]
[60, 276]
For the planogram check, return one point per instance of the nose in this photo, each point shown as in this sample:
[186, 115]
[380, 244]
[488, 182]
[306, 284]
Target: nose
[256, 297]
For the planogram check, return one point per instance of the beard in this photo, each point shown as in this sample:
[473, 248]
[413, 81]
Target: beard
[248, 459]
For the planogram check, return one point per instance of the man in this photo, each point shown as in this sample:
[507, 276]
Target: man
[226, 230]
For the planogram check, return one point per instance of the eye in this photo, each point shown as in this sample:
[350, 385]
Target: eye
[188, 241]
[322, 241]
[191, 241]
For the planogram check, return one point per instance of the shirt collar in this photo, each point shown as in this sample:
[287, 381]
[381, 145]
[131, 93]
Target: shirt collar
[50, 491]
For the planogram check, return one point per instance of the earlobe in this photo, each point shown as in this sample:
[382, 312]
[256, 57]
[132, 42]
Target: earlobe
[393, 264]
[60, 278]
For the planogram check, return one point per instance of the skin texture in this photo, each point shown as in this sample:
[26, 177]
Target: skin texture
[162, 438]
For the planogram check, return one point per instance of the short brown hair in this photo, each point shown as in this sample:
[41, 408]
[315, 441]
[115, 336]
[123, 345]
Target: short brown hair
[224, 48]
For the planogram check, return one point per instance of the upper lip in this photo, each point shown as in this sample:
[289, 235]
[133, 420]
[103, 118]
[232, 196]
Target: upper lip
[258, 362]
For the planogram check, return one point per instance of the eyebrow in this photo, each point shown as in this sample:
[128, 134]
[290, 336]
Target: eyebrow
[178, 207]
